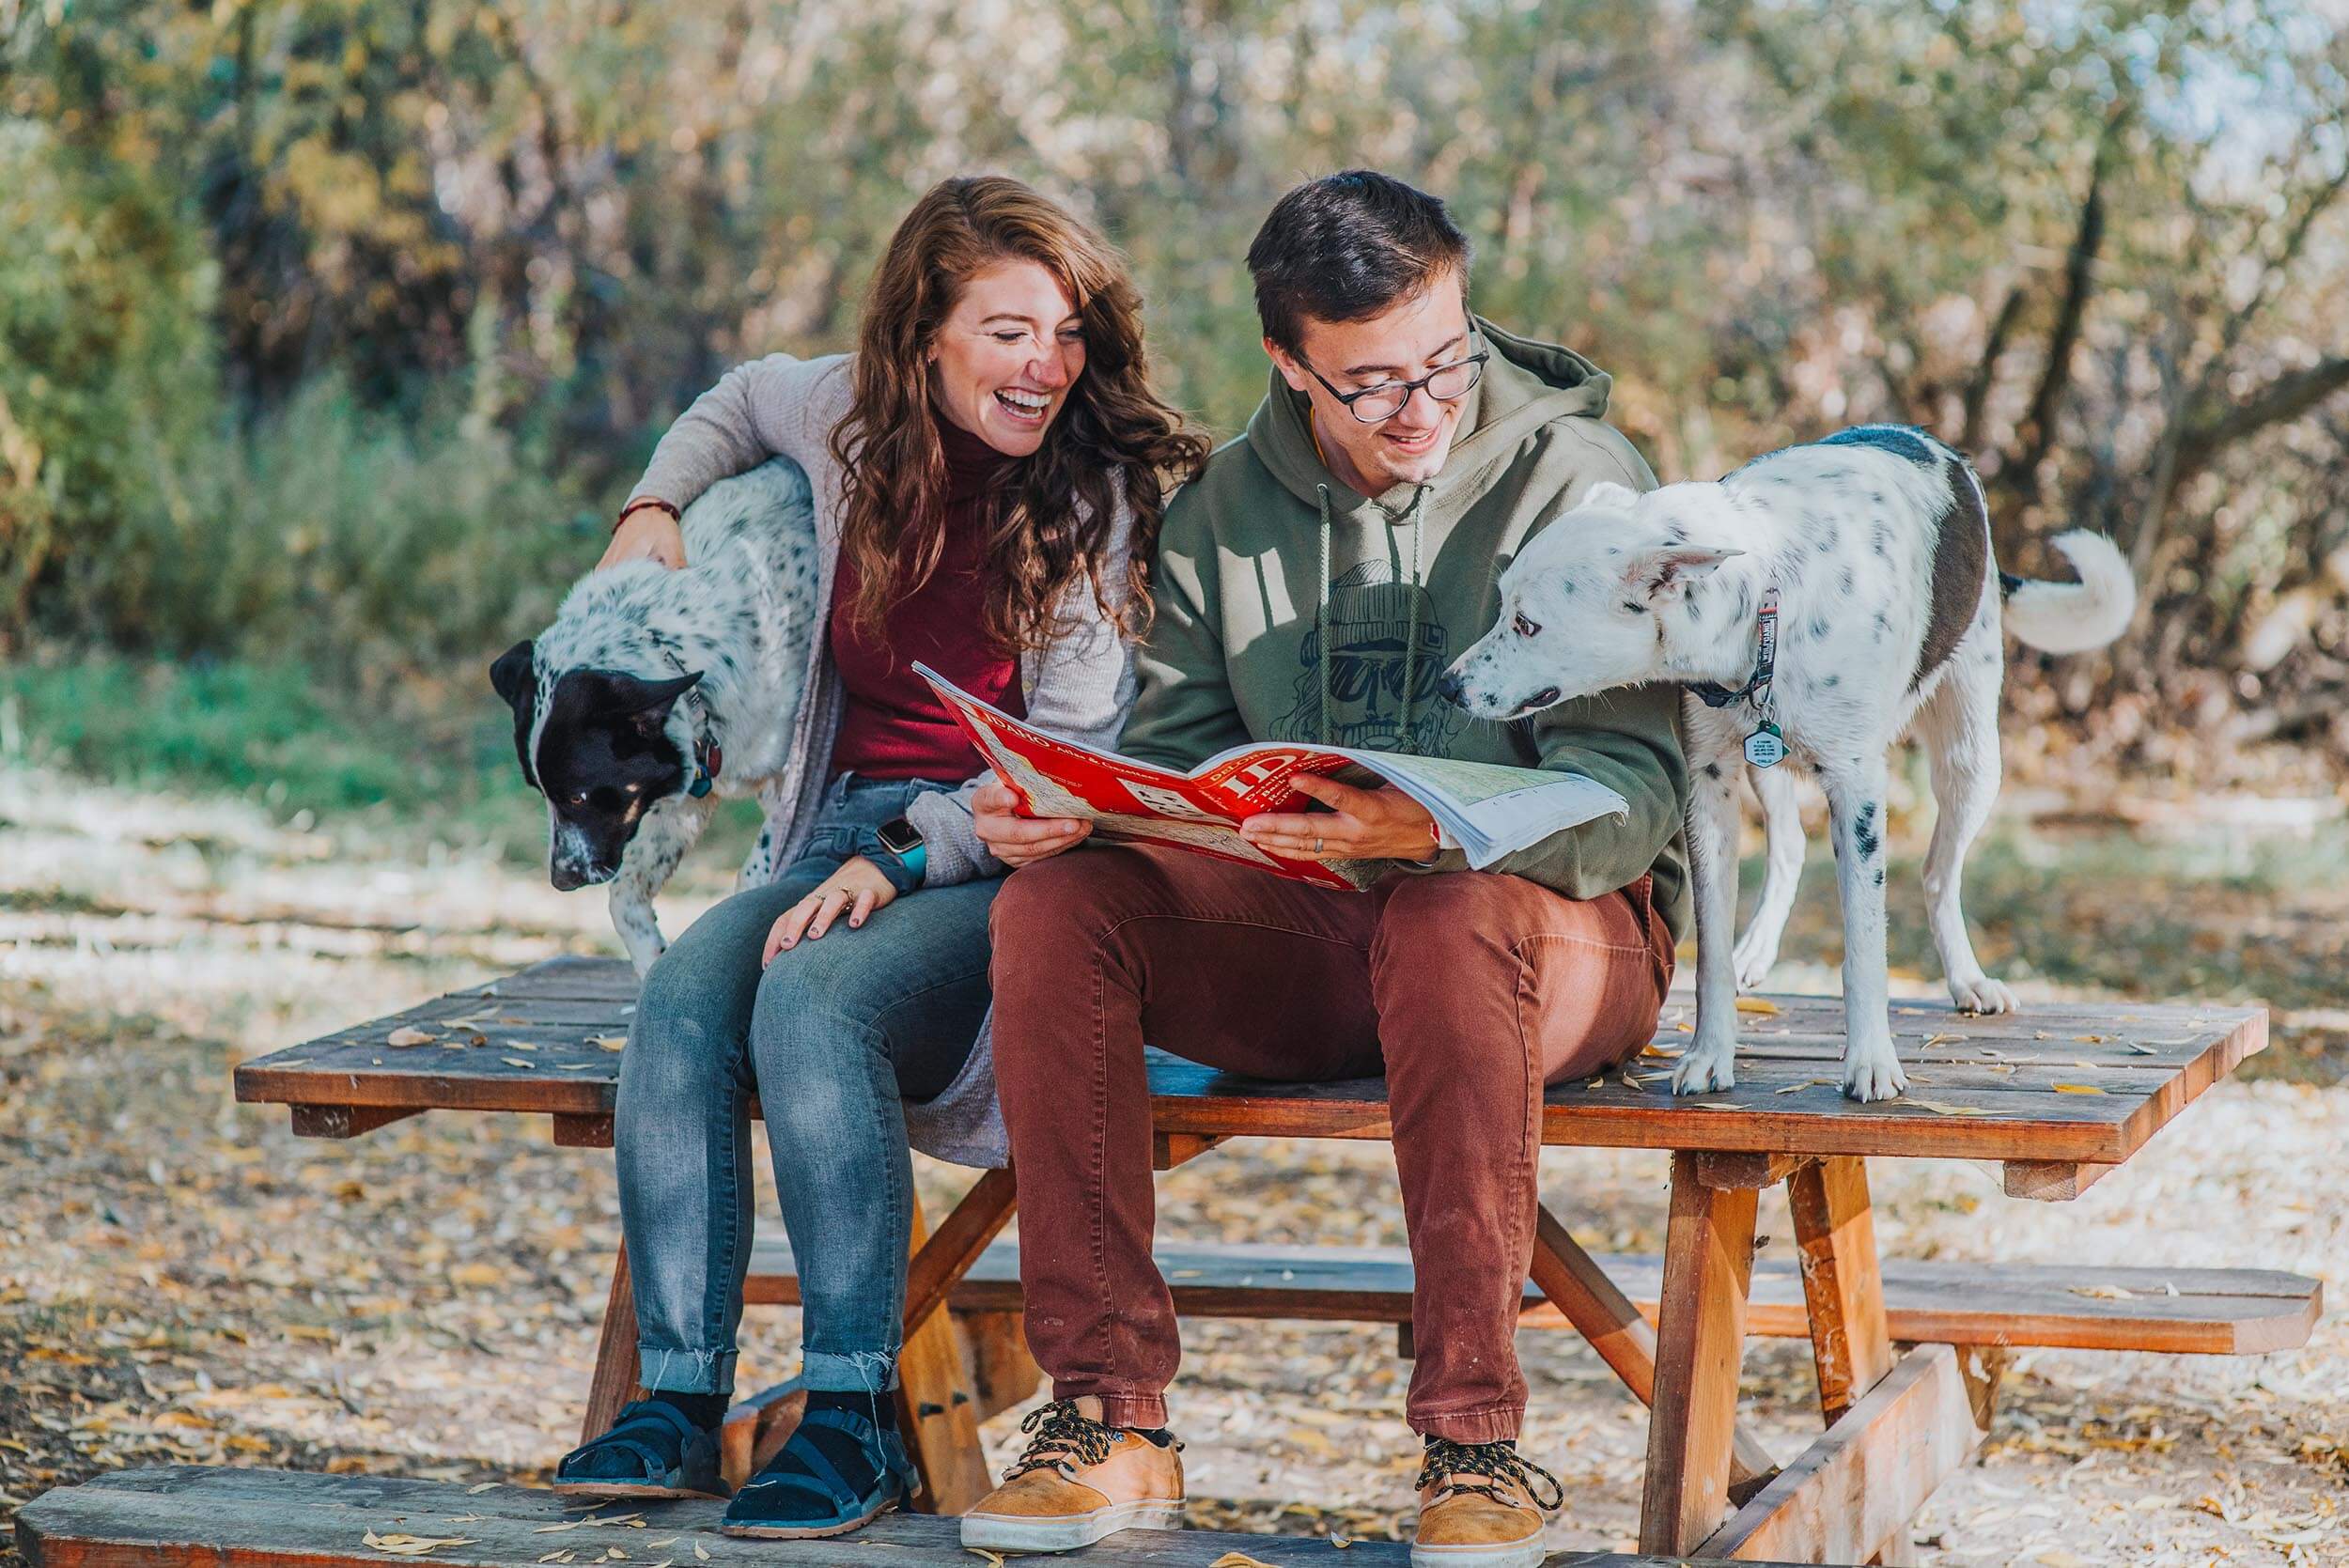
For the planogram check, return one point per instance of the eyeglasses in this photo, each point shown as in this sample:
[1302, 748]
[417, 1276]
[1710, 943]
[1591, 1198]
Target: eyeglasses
[1373, 404]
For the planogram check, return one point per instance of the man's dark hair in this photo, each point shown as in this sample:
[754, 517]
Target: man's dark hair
[1347, 246]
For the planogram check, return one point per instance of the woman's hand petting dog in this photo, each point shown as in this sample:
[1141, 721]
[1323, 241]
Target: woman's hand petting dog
[1016, 840]
[1382, 823]
[856, 890]
[647, 532]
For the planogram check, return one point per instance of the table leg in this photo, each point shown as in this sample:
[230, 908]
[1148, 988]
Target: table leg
[1835, 1238]
[616, 1366]
[938, 1408]
[1606, 1317]
[1700, 1340]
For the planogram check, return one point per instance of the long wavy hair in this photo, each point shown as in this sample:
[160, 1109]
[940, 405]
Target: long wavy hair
[1050, 524]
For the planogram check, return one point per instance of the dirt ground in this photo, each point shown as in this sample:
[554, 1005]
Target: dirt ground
[181, 1280]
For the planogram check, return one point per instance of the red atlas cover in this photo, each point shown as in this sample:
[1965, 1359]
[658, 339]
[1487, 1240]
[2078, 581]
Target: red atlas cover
[1200, 810]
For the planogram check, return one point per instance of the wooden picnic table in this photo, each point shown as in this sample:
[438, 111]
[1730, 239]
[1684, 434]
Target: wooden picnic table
[2059, 1094]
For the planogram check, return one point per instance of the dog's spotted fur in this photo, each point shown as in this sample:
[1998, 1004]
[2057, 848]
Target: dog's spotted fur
[718, 648]
[1878, 540]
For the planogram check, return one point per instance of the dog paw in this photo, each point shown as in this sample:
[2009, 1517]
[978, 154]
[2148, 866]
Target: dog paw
[1873, 1075]
[1703, 1069]
[1753, 960]
[1982, 994]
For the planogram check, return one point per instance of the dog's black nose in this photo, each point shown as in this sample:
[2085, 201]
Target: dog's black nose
[566, 877]
[1448, 687]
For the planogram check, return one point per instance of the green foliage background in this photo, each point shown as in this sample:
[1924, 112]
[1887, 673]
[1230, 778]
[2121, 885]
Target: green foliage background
[331, 330]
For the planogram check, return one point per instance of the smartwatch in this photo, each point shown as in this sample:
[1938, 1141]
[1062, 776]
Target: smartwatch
[903, 841]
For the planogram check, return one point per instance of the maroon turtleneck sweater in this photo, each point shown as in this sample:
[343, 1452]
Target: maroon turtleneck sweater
[892, 726]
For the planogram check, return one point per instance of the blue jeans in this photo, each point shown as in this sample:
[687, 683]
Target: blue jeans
[831, 1037]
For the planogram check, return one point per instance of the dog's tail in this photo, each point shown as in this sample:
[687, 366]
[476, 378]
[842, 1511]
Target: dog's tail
[2074, 618]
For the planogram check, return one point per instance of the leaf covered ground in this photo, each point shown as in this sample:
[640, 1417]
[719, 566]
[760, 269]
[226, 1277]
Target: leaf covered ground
[181, 1280]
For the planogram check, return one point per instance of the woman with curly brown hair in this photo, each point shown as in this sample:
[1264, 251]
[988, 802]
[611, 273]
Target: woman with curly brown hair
[990, 466]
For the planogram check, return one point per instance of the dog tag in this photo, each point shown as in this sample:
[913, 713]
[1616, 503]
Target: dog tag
[1766, 747]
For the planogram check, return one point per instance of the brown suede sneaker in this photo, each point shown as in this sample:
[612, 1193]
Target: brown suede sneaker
[1478, 1507]
[1079, 1482]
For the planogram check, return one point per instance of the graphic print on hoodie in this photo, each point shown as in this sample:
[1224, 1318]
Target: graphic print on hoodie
[1386, 649]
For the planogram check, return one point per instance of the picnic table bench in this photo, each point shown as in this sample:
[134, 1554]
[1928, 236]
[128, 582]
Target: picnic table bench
[187, 1517]
[2058, 1095]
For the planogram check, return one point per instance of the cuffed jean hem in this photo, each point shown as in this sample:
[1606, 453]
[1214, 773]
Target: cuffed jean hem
[1147, 1411]
[686, 1372]
[848, 1371]
[1498, 1424]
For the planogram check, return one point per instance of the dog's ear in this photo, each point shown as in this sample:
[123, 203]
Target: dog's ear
[1608, 493]
[1669, 572]
[515, 677]
[647, 702]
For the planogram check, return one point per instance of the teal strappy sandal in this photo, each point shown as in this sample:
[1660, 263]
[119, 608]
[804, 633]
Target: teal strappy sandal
[811, 1497]
[651, 1451]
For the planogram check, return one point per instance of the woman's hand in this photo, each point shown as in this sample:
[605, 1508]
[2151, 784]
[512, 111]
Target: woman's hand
[646, 531]
[1382, 823]
[1016, 840]
[856, 890]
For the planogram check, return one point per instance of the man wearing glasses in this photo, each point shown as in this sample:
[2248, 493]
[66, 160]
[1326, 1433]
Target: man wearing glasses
[1311, 585]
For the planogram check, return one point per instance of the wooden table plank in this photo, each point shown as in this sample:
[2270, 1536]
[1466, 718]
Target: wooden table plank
[2217, 1312]
[1989, 1093]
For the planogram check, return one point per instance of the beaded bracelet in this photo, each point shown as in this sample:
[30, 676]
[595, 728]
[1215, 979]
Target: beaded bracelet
[645, 502]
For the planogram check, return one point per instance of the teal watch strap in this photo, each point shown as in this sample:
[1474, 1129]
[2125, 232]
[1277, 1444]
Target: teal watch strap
[903, 867]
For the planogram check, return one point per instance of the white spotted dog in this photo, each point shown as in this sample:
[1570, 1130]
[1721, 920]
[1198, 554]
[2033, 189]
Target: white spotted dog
[655, 694]
[1817, 602]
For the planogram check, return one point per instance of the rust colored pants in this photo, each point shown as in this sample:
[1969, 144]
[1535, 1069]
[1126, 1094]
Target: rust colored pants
[1469, 990]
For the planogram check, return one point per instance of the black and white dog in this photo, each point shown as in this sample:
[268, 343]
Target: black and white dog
[656, 693]
[1817, 602]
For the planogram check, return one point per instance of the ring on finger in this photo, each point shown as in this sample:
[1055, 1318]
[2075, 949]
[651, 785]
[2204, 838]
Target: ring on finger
[1317, 844]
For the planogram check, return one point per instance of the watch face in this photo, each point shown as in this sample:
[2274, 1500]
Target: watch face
[900, 837]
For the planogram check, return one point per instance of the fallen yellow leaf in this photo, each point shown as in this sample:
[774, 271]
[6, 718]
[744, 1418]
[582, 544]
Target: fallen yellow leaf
[609, 1041]
[412, 1546]
[1238, 1559]
[409, 1036]
[1762, 1005]
[484, 1486]
[995, 1559]
[516, 1062]
[2076, 1089]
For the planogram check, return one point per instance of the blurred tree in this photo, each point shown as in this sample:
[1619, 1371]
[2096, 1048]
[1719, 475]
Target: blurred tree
[498, 242]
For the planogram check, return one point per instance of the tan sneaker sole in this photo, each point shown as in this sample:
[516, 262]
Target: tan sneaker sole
[1066, 1532]
[1527, 1553]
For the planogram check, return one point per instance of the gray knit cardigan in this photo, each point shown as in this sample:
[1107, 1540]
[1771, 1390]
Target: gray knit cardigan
[1080, 687]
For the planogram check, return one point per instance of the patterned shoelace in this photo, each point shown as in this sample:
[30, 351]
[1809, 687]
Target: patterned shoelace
[1061, 1431]
[1500, 1462]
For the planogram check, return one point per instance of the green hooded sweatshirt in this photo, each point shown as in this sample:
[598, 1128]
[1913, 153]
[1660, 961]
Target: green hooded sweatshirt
[1267, 548]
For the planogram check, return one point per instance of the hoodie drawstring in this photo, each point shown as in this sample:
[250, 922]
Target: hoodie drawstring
[1321, 615]
[1410, 646]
